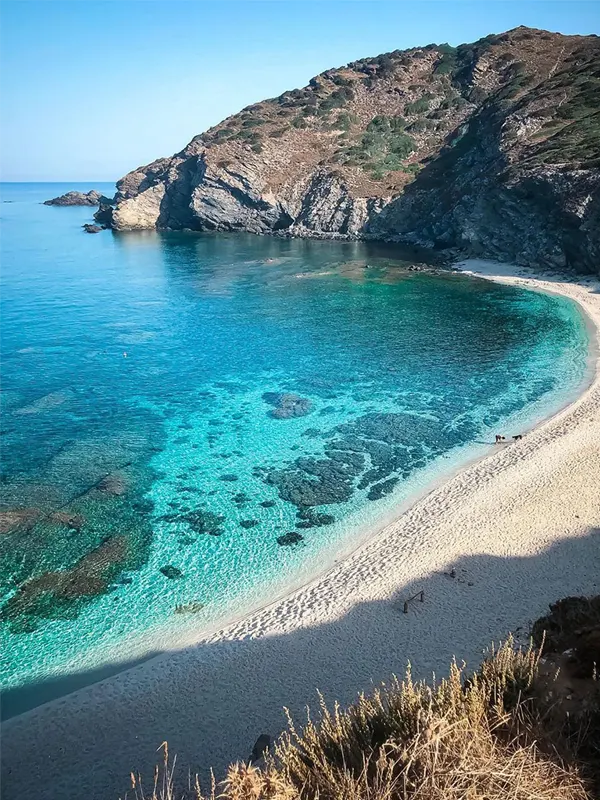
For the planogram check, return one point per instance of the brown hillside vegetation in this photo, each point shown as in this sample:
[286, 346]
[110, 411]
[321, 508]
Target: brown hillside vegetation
[492, 147]
[526, 726]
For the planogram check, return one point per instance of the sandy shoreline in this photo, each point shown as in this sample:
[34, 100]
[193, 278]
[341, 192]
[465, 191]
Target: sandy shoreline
[521, 528]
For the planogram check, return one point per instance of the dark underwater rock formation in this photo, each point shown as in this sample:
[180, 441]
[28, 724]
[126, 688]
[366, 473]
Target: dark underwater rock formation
[171, 572]
[289, 539]
[198, 520]
[370, 452]
[309, 518]
[287, 405]
[49, 593]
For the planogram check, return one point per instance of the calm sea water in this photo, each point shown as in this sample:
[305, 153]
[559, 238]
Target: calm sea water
[153, 488]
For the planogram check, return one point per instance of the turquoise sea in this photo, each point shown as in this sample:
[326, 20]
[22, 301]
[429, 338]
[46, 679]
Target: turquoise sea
[192, 424]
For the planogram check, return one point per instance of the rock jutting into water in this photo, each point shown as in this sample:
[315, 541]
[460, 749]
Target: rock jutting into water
[104, 214]
[287, 405]
[92, 198]
[91, 228]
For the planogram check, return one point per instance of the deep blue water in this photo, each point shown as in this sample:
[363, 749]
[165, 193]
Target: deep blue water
[155, 491]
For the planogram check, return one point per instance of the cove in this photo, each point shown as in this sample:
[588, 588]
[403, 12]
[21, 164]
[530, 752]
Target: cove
[194, 424]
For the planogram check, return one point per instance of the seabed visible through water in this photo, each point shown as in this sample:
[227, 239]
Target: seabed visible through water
[194, 423]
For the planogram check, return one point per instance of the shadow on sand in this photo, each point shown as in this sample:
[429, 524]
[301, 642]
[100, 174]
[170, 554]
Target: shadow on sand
[212, 700]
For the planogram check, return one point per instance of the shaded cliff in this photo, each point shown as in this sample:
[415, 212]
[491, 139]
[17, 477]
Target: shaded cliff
[492, 148]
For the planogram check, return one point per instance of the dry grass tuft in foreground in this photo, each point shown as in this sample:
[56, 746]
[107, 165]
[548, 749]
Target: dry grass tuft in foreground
[489, 736]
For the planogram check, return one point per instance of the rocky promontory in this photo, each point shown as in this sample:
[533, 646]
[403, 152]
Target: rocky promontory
[92, 198]
[491, 148]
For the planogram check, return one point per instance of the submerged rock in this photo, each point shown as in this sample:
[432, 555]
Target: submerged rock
[51, 593]
[18, 519]
[312, 519]
[91, 228]
[289, 539]
[74, 198]
[112, 484]
[171, 572]
[199, 520]
[287, 405]
[73, 521]
[189, 608]
[315, 482]
[248, 523]
[379, 490]
[47, 402]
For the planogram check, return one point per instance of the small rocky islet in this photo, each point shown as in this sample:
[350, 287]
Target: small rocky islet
[91, 198]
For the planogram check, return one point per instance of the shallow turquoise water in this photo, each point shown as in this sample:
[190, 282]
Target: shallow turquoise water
[138, 438]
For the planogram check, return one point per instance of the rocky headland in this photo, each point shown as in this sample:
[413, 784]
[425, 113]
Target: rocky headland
[491, 148]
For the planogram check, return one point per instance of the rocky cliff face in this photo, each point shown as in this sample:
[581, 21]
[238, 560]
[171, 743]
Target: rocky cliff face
[492, 148]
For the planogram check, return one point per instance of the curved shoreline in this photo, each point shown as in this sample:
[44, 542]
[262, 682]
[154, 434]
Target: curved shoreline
[242, 675]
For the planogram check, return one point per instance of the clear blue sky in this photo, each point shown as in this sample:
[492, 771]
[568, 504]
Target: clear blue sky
[93, 88]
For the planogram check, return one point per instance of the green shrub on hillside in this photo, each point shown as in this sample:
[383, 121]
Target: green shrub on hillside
[253, 122]
[223, 133]
[299, 122]
[382, 147]
[337, 99]
[345, 121]
[248, 136]
[386, 125]
[401, 144]
[417, 107]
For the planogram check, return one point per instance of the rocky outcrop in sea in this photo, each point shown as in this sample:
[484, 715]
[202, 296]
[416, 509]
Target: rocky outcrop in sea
[92, 198]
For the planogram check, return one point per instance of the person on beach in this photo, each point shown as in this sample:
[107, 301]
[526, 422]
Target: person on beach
[500, 439]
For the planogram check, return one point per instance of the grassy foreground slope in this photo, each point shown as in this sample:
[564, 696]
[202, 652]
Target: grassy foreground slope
[526, 726]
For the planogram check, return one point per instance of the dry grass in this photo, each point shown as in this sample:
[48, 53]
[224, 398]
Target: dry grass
[483, 737]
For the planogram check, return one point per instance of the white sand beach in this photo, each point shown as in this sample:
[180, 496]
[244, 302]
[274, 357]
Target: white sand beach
[520, 529]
